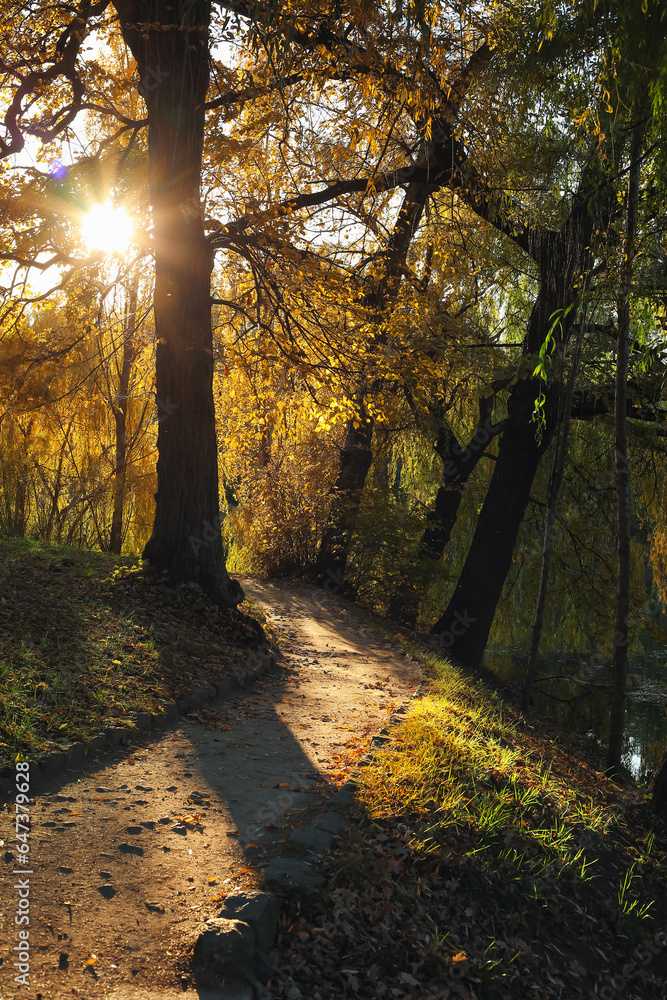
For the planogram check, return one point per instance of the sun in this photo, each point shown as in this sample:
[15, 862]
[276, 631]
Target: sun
[107, 228]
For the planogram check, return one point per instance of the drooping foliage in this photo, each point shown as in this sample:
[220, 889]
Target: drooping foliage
[352, 306]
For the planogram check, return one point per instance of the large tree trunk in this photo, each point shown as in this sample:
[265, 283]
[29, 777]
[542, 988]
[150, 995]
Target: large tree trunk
[462, 631]
[170, 44]
[622, 467]
[562, 258]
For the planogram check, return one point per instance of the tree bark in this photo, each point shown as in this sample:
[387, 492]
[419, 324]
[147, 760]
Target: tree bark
[660, 790]
[458, 465]
[462, 631]
[442, 155]
[620, 643]
[562, 258]
[355, 460]
[170, 44]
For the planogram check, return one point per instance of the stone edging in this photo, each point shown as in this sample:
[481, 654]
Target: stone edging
[49, 764]
[318, 837]
[237, 940]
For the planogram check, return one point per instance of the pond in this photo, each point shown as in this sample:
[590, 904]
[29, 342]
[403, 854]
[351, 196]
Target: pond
[575, 692]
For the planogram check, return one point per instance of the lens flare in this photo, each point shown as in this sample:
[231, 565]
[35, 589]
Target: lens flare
[107, 228]
[57, 169]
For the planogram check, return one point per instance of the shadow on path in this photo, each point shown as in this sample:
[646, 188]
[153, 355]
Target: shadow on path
[131, 855]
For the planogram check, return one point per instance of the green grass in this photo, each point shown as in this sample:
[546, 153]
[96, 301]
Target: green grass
[88, 640]
[468, 761]
[503, 857]
[461, 760]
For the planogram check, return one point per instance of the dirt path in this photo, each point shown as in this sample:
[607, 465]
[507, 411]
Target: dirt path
[131, 856]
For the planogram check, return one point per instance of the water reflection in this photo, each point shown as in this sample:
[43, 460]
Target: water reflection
[575, 692]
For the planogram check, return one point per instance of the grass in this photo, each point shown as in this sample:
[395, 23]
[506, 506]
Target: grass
[88, 640]
[488, 862]
[459, 758]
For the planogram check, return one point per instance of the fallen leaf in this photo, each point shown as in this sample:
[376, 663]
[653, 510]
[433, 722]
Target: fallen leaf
[193, 820]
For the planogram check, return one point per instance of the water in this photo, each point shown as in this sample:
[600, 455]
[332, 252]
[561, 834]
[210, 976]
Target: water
[576, 693]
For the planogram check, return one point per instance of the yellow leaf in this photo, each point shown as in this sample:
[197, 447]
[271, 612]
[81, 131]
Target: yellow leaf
[90, 961]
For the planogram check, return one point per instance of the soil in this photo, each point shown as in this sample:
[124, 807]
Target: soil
[129, 857]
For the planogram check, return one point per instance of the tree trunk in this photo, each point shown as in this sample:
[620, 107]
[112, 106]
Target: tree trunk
[355, 461]
[19, 521]
[622, 467]
[442, 153]
[660, 790]
[120, 408]
[458, 465]
[170, 44]
[356, 455]
[462, 631]
[562, 258]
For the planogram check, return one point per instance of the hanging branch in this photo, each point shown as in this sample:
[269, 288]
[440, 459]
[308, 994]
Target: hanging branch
[620, 641]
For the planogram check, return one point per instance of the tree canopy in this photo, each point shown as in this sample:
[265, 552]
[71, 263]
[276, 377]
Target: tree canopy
[375, 263]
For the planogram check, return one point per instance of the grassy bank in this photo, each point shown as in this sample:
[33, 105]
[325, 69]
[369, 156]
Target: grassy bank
[488, 862]
[88, 640]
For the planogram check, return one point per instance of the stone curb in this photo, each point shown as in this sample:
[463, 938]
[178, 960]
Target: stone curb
[49, 764]
[247, 927]
[237, 940]
[317, 837]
